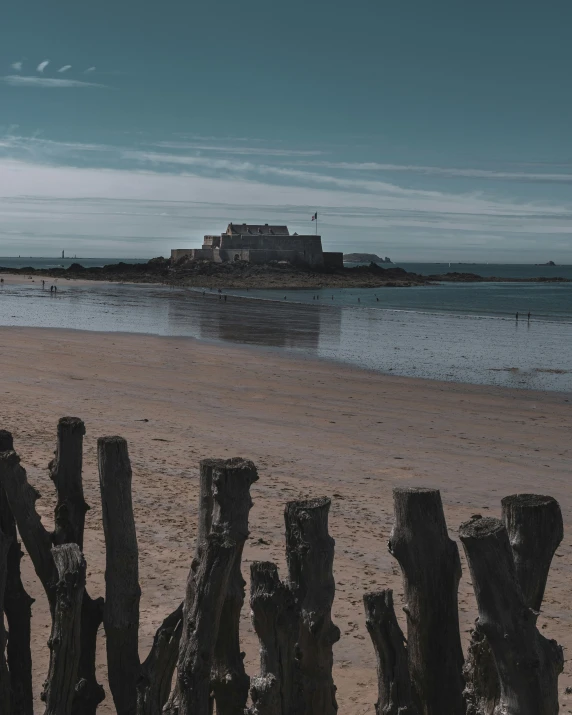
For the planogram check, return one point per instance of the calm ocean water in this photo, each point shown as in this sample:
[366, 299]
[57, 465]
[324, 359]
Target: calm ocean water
[47, 263]
[456, 332]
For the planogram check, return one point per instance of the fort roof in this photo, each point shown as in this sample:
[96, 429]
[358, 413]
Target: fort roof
[244, 229]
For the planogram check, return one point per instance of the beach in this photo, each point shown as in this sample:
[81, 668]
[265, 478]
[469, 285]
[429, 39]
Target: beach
[313, 427]
[450, 332]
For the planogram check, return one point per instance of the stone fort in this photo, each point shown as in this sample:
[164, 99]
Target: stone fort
[255, 243]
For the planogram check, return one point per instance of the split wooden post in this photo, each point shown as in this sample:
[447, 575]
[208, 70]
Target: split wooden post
[22, 499]
[231, 482]
[66, 473]
[200, 671]
[154, 684]
[310, 557]
[393, 680]
[6, 441]
[5, 687]
[17, 607]
[528, 664]
[276, 621]
[122, 591]
[431, 570]
[64, 642]
[535, 529]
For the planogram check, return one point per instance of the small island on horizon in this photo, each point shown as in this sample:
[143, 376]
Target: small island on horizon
[365, 258]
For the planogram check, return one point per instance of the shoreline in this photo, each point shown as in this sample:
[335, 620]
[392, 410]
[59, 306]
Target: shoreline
[283, 276]
[429, 344]
[313, 428]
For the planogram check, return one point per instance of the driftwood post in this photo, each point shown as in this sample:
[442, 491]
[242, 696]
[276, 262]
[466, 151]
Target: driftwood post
[64, 641]
[528, 664]
[17, 607]
[5, 689]
[276, 622]
[431, 569]
[393, 681]
[310, 557]
[225, 524]
[122, 591]
[535, 529]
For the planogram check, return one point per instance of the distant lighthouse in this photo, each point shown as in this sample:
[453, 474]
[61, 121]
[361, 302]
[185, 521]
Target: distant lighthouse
[63, 254]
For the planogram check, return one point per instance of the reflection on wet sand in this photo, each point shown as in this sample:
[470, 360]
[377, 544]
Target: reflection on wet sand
[254, 322]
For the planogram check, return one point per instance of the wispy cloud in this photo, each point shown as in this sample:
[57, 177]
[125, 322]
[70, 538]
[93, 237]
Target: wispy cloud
[16, 80]
[445, 172]
[42, 66]
[138, 192]
[255, 151]
[89, 69]
[65, 68]
[16, 66]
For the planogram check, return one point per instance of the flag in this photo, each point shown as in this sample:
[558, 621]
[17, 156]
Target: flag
[315, 216]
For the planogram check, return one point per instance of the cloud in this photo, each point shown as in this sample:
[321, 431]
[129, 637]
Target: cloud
[65, 68]
[237, 150]
[123, 193]
[42, 66]
[16, 66]
[89, 69]
[445, 172]
[19, 81]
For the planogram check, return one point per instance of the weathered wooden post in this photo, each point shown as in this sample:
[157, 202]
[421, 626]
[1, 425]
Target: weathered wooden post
[122, 591]
[5, 689]
[431, 569]
[155, 679]
[37, 540]
[21, 498]
[276, 621]
[393, 680]
[225, 524]
[17, 607]
[66, 472]
[528, 664]
[310, 557]
[64, 642]
[535, 529]
[231, 481]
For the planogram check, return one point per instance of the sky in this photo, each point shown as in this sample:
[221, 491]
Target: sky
[425, 131]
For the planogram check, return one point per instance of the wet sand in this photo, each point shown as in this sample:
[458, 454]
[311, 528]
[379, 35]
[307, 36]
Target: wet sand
[313, 428]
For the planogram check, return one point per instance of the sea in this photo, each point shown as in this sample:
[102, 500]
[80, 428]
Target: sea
[459, 332]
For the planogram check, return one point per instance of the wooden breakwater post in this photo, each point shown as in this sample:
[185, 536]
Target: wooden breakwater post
[510, 668]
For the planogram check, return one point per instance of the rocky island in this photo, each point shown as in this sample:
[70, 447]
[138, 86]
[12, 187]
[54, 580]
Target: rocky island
[235, 274]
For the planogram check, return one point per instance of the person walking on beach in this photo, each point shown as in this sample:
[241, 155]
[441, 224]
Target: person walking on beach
[517, 317]
[529, 316]
[43, 284]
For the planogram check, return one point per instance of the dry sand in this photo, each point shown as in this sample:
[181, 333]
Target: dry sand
[313, 428]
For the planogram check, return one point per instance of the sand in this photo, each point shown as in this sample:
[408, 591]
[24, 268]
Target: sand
[313, 428]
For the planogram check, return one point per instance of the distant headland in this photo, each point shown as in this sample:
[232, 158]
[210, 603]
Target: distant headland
[365, 258]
